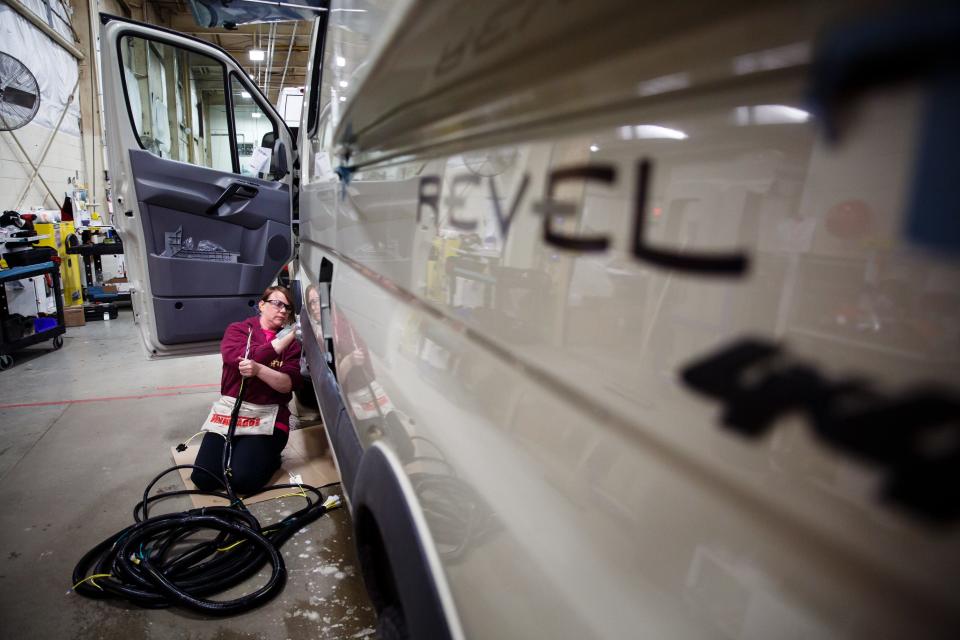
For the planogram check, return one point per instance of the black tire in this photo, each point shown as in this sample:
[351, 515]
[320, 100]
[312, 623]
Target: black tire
[6, 361]
[57, 342]
[396, 570]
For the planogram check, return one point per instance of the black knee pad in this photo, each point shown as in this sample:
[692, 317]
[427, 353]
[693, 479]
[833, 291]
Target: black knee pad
[246, 483]
[205, 481]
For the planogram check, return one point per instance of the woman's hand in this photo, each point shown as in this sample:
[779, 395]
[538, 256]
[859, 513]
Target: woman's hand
[249, 368]
[276, 380]
[281, 343]
[354, 359]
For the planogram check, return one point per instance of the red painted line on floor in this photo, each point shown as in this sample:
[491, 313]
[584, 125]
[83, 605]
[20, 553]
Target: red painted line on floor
[189, 386]
[86, 400]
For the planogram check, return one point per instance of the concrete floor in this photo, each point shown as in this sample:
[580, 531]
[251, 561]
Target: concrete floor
[99, 426]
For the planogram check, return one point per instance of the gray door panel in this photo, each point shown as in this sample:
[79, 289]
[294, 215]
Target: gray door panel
[261, 254]
[194, 189]
[196, 294]
[199, 319]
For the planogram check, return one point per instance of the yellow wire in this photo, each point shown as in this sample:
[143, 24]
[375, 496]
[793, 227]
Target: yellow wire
[96, 575]
[302, 494]
[232, 546]
[241, 541]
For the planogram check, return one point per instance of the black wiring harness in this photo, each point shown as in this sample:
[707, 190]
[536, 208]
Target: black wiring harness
[153, 564]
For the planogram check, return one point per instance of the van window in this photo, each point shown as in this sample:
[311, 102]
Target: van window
[176, 100]
[255, 132]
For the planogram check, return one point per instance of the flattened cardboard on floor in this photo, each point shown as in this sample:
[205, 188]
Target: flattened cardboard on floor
[306, 455]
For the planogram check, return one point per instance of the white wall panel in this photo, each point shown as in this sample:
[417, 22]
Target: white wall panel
[56, 73]
[64, 160]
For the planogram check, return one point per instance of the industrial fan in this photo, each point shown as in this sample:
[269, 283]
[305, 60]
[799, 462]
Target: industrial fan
[19, 93]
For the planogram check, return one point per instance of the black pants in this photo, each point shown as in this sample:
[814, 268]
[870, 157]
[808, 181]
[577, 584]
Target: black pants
[255, 459]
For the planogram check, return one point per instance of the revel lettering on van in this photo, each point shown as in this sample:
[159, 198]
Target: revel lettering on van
[430, 190]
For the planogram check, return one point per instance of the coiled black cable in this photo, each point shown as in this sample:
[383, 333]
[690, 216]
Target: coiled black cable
[146, 564]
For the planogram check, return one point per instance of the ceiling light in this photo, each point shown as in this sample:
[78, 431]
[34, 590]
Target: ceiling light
[594, 148]
[769, 114]
[256, 54]
[344, 84]
[652, 132]
[343, 98]
[341, 61]
[244, 94]
[256, 115]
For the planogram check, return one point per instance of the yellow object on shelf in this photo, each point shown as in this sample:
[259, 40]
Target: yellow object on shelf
[56, 237]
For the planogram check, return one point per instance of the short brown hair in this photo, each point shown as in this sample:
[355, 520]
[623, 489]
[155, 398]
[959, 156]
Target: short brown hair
[286, 294]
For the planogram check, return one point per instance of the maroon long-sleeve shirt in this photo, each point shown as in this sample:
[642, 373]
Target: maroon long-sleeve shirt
[232, 348]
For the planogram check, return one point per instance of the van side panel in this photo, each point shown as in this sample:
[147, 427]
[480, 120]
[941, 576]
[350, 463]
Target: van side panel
[654, 354]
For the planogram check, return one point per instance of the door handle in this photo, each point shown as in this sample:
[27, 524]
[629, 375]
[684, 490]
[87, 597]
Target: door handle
[233, 190]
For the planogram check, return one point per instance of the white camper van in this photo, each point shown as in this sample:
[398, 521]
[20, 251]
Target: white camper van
[626, 319]
[290, 105]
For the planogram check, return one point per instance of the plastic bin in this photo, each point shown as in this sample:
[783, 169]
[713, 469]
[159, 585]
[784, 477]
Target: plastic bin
[43, 324]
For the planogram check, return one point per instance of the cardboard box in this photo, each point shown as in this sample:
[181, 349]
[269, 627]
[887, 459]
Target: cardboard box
[73, 317]
[306, 459]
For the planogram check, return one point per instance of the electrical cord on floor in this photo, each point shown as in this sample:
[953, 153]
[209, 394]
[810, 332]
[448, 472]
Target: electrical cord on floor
[147, 564]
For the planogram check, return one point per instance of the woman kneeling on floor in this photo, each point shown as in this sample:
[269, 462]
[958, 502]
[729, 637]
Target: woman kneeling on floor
[270, 374]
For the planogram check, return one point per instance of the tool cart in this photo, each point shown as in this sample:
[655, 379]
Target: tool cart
[15, 336]
[95, 292]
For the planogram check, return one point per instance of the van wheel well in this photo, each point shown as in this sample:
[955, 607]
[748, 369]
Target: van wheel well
[378, 577]
[397, 551]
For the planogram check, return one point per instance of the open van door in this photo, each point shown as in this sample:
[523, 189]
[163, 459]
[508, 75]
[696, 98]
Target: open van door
[203, 208]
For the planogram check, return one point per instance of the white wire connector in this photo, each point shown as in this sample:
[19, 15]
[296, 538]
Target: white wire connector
[186, 443]
[332, 502]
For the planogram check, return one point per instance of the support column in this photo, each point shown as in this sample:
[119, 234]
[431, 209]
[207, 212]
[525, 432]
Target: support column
[91, 130]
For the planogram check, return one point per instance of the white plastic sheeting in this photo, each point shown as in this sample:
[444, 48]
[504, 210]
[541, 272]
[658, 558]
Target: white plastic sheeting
[55, 69]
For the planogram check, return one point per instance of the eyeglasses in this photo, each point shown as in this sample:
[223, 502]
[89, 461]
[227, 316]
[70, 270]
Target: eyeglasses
[280, 306]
